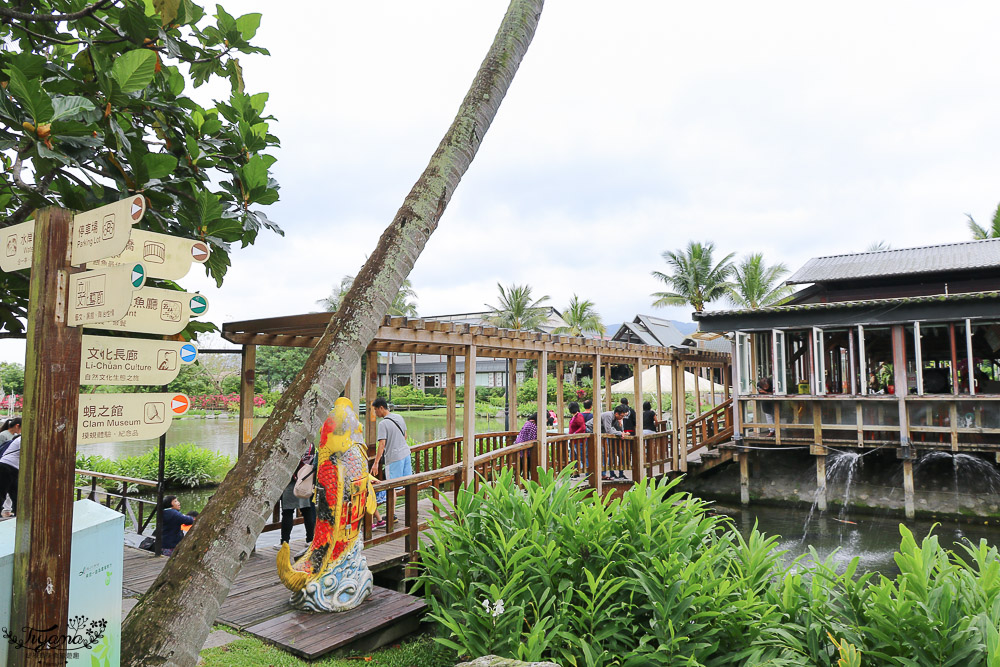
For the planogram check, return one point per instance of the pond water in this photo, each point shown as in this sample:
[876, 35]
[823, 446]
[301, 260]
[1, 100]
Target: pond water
[872, 538]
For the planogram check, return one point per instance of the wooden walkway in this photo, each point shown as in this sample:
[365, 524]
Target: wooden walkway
[258, 602]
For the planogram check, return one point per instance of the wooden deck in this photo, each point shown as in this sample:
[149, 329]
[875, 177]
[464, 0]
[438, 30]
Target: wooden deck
[258, 602]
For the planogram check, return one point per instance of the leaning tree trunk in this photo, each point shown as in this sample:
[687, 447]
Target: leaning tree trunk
[170, 624]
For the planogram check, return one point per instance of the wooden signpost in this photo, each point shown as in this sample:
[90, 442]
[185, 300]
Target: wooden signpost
[62, 300]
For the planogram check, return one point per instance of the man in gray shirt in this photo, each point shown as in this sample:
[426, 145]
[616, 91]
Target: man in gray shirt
[611, 422]
[392, 444]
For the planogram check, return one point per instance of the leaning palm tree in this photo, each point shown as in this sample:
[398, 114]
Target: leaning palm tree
[171, 622]
[694, 278]
[756, 285]
[980, 232]
[581, 318]
[517, 310]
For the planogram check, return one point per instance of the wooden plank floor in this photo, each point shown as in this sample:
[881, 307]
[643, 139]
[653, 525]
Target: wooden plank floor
[258, 601]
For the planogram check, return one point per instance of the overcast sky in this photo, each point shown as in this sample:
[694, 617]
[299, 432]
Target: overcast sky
[788, 128]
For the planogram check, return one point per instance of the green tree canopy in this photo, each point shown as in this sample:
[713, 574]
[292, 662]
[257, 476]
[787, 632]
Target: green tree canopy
[580, 317]
[11, 378]
[517, 310]
[94, 107]
[756, 285]
[694, 278]
[278, 366]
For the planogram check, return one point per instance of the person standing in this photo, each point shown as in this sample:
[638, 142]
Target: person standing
[611, 423]
[767, 407]
[628, 421]
[10, 464]
[291, 502]
[10, 430]
[577, 424]
[391, 436]
[588, 415]
[648, 419]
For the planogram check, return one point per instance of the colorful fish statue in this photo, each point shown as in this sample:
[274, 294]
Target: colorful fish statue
[333, 574]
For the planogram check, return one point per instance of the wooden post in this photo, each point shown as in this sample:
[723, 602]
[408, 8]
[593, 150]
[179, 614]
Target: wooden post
[597, 447]
[371, 393]
[451, 377]
[607, 387]
[639, 456]
[682, 412]
[543, 413]
[821, 482]
[248, 376]
[512, 394]
[676, 414]
[899, 372]
[43, 533]
[560, 407]
[659, 393]
[469, 417]
[697, 391]
[908, 488]
[744, 477]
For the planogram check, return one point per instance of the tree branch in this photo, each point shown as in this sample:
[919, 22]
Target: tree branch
[55, 18]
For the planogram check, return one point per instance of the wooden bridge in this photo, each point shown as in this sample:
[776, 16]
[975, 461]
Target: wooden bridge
[258, 604]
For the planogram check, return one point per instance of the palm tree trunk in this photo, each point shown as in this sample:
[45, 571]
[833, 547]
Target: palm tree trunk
[170, 624]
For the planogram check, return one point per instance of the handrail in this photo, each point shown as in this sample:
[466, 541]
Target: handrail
[417, 478]
[504, 451]
[116, 478]
[711, 413]
[436, 443]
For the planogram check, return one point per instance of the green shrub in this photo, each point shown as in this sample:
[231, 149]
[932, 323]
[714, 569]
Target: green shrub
[95, 463]
[550, 572]
[185, 465]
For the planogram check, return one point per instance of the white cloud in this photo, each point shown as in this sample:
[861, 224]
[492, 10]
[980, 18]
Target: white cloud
[788, 128]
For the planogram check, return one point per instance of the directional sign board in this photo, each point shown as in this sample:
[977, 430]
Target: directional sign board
[99, 233]
[130, 361]
[103, 295]
[124, 417]
[158, 311]
[164, 256]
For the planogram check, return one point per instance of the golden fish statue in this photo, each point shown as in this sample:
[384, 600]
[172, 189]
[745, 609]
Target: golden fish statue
[333, 574]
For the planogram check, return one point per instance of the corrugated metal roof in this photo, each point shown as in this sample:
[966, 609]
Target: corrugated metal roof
[965, 256]
[866, 303]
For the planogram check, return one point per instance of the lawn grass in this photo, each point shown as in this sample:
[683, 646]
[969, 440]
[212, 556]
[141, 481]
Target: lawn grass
[417, 651]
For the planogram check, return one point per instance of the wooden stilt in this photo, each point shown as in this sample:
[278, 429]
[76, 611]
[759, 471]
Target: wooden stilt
[821, 482]
[744, 477]
[908, 504]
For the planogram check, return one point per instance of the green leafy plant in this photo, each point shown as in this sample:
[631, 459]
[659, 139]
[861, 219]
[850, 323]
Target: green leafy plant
[185, 465]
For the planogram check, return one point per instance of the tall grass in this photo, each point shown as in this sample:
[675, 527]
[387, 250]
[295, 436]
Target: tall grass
[550, 572]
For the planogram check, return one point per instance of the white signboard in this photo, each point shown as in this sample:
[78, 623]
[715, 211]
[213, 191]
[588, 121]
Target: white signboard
[97, 234]
[158, 311]
[103, 295]
[124, 417]
[130, 361]
[164, 256]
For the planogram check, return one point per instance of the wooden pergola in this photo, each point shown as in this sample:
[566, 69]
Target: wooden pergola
[453, 340]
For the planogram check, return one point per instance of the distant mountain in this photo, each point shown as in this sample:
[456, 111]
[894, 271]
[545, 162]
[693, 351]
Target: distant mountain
[685, 328]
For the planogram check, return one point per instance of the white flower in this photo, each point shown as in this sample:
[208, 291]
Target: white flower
[486, 605]
[498, 608]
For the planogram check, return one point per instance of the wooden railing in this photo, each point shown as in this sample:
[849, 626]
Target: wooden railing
[659, 452]
[617, 454]
[711, 428]
[116, 487]
[567, 448]
[522, 458]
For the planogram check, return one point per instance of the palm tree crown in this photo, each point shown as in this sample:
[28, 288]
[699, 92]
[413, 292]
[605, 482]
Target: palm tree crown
[980, 232]
[694, 278]
[517, 310]
[401, 305]
[756, 285]
[332, 303]
[580, 318]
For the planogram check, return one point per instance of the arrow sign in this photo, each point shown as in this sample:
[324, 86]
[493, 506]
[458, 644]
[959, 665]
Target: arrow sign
[102, 295]
[156, 311]
[188, 353]
[179, 404]
[164, 256]
[138, 276]
[132, 361]
[199, 305]
[126, 417]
